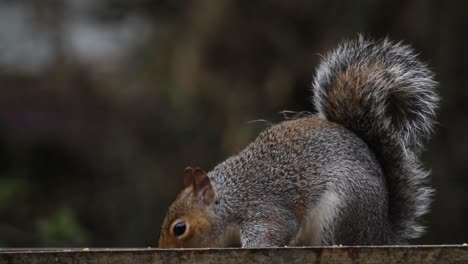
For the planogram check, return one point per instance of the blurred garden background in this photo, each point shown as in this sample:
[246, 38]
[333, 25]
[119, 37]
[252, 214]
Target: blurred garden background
[104, 103]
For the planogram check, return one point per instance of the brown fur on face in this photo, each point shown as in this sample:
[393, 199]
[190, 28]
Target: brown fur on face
[195, 206]
[189, 208]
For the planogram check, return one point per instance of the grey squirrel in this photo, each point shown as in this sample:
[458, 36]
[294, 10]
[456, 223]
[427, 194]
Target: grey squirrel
[348, 175]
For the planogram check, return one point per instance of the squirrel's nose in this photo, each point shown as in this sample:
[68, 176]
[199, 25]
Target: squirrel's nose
[164, 243]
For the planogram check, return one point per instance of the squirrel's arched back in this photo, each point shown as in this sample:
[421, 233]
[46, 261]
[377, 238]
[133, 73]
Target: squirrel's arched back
[386, 96]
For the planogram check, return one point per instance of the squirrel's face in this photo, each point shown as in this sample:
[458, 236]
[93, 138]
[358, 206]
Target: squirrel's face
[188, 222]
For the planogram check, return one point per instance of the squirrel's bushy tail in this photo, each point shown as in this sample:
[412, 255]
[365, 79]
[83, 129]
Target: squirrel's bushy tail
[385, 95]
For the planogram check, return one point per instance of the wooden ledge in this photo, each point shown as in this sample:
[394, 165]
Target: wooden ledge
[439, 254]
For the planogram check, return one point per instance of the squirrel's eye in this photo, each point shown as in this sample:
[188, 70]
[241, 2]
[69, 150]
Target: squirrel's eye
[179, 228]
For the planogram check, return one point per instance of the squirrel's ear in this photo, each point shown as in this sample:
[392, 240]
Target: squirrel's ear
[202, 186]
[188, 177]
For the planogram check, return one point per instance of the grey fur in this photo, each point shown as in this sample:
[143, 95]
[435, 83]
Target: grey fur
[351, 173]
[395, 135]
[290, 166]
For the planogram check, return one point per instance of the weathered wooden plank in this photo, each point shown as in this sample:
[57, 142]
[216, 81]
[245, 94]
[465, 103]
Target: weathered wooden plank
[453, 254]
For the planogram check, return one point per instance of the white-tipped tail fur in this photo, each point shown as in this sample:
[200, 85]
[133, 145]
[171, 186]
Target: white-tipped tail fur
[382, 92]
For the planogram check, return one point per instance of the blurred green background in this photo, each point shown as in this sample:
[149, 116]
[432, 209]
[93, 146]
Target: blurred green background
[104, 103]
